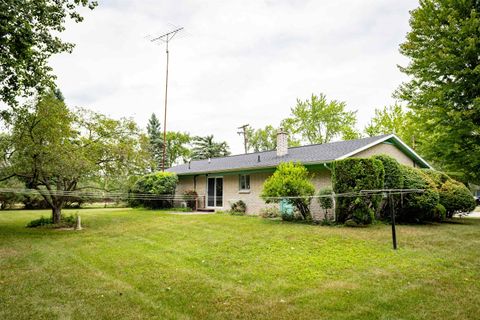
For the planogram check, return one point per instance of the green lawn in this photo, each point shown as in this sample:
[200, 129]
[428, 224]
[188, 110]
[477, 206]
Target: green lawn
[135, 264]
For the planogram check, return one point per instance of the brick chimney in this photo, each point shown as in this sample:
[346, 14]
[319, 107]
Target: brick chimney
[282, 143]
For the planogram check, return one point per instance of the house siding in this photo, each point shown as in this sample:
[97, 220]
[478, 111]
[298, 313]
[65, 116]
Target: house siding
[321, 178]
[388, 149]
[252, 198]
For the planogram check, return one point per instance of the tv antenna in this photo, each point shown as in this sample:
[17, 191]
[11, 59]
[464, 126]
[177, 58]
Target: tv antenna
[243, 131]
[166, 37]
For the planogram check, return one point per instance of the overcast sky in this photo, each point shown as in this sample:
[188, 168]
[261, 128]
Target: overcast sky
[239, 62]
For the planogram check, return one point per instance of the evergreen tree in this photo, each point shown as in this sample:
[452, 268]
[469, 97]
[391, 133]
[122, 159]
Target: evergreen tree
[206, 147]
[154, 130]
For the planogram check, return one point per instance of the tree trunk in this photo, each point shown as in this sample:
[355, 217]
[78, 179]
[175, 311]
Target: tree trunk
[56, 214]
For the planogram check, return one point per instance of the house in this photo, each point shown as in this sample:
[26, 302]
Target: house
[222, 181]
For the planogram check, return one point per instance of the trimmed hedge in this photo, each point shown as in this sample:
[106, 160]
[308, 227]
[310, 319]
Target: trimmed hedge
[393, 172]
[456, 197]
[158, 183]
[393, 180]
[354, 175]
[442, 195]
[418, 207]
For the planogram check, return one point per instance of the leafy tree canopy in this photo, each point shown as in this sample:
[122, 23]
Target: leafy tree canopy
[177, 149]
[317, 120]
[444, 88]
[265, 139]
[28, 38]
[393, 119]
[53, 149]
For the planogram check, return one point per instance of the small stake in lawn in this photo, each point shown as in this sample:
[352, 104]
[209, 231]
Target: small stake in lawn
[78, 225]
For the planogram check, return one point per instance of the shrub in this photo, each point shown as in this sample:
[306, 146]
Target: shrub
[439, 212]
[162, 184]
[418, 207]
[238, 207]
[354, 175]
[455, 197]
[42, 221]
[65, 222]
[438, 177]
[293, 215]
[351, 223]
[325, 202]
[189, 196]
[270, 212]
[393, 172]
[290, 180]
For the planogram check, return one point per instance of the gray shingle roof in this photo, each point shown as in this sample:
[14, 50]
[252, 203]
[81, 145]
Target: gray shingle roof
[315, 153]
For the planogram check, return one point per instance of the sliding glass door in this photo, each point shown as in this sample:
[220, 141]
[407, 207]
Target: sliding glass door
[215, 192]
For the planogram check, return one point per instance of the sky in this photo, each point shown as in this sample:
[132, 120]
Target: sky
[236, 63]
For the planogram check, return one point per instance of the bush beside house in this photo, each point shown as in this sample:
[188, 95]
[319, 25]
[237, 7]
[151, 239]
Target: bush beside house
[292, 181]
[351, 176]
[155, 184]
[455, 196]
[394, 179]
[418, 207]
[325, 200]
[441, 197]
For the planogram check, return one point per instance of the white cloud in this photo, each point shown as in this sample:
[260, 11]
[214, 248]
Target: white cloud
[240, 61]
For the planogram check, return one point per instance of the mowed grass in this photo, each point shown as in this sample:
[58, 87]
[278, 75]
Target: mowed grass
[138, 264]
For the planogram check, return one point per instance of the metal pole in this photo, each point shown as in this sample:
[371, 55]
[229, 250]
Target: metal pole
[166, 37]
[392, 215]
[165, 115]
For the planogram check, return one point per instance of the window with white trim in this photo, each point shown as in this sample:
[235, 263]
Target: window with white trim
[244, 182]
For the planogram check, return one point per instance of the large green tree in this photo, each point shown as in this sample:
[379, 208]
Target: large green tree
[55, 150]
[444, 87]
[207, 147]
[393, 119]
[265, 139]
[177, 149]
[317, 120]
[29, 36]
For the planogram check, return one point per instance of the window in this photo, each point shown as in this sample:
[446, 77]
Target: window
[244, 182]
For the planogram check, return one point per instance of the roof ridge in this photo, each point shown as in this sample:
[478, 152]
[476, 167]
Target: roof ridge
[296, 147]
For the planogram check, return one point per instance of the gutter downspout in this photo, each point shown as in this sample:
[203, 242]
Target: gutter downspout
[334, 202]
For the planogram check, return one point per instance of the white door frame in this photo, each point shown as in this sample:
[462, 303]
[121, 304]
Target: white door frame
[215, 192]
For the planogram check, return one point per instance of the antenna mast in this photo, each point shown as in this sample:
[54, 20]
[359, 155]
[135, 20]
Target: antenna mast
[166, 38]
[244, 133]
